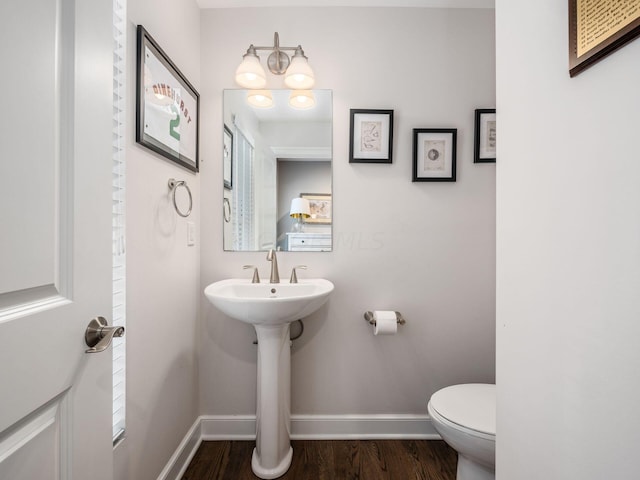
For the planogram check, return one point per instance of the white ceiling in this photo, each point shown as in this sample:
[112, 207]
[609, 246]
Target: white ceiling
[347, 3]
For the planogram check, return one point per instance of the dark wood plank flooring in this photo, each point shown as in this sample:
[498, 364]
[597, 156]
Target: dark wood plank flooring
[332, 460]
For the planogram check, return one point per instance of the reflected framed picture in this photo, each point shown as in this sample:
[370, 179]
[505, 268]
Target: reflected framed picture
[167, 106]
[320, 205]
[484, 150]
[434, 154]
[371, 136]
[227, 158]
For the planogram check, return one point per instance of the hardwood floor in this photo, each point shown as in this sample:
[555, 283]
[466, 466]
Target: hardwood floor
[332, 460]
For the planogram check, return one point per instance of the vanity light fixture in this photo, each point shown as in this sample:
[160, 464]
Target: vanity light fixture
[250, 73]
[302, 99]
[297, 72]
[260, 98]
[300, 209]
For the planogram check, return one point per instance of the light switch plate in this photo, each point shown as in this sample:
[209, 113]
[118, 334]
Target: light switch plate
[191, 234]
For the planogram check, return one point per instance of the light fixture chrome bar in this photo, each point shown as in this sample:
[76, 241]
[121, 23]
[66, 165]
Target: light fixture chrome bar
[250, 74]
[273, 48]
[276, 45]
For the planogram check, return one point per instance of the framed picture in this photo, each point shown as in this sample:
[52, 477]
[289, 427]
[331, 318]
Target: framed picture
[598, 28]
[167, 108]
[484, 150]
[227, 158]
[434, 154]
[320, 204]
[371, 137]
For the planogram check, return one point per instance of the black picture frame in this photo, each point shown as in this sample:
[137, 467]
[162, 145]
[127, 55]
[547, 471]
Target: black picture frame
[227, 158]
[594, 35]
[434, 154]
[167, 106]
[484, 150]
[371, 136]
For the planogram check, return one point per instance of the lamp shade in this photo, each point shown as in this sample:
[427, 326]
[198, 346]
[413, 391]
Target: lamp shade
[250, 73]
[299, 74]
[300, 208]
[260, 98]
[302, 99]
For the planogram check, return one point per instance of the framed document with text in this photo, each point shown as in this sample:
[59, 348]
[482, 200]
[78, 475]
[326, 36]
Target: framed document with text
[598, 28]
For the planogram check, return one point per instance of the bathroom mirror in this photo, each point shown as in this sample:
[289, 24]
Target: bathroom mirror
[273, 157]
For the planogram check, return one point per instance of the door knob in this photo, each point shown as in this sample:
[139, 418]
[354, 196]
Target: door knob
[98, 335]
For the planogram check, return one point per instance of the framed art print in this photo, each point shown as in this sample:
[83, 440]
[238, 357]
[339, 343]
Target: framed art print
[434, 154]
[167, 108]
[320, 206]
[484, 150]
[598, 28]
[371, 136]
[227, 158]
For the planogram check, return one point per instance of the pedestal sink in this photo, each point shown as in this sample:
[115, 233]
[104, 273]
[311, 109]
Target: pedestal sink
[270, 308]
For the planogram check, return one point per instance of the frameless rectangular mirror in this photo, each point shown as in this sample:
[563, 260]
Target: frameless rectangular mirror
[276, 162]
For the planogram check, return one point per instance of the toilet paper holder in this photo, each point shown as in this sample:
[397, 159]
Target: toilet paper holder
[368, 316]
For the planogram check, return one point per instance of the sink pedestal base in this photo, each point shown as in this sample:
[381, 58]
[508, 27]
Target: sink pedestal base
[273, 453]
[276, 472]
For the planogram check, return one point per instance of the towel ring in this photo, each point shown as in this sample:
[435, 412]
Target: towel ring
[226, 210]
[173, 186]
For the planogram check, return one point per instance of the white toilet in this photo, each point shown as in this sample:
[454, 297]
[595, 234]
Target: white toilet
[465, 418]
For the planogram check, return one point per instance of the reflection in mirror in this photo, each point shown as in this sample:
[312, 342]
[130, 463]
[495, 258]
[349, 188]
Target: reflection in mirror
[277, 172]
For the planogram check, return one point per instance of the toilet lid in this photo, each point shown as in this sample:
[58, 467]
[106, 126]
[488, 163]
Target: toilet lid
[471, 406]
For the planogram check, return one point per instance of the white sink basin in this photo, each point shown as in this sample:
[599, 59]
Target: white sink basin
[270, 308]
[268, 303]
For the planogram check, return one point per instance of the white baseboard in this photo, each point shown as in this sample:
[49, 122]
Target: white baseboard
[183, 455]
[362, 427]
[303, 427]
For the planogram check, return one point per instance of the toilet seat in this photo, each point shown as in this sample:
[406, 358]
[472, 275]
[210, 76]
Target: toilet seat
[469, 407]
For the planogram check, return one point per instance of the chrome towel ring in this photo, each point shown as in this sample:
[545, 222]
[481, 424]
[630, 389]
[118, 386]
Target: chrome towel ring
[173, 186]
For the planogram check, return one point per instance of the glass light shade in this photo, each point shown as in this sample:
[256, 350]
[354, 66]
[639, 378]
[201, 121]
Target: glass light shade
[300, 208]
[302, 99]
[250, 73]
[260, 98]
[299, 74]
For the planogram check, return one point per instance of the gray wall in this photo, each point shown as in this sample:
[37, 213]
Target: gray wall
[294, 178]
[568, 261]
[425, 249]
[163, 288]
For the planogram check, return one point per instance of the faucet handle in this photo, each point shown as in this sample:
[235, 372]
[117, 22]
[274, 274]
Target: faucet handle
[294, 277]
[256, 277]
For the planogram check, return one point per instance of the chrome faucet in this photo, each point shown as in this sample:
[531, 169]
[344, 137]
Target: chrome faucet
[271, 257]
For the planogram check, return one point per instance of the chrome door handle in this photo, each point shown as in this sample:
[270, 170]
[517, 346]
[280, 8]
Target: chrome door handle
[98, 335]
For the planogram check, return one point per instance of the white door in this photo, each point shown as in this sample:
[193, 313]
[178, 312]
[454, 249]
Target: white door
[55, 243]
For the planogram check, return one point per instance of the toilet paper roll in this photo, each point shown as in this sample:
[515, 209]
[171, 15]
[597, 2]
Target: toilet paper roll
[386, 322]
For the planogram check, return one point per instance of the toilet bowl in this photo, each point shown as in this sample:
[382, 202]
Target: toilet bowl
[465, 417]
